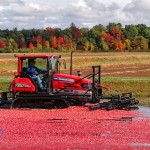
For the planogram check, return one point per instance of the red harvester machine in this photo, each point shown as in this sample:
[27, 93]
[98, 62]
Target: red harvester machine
[59, 90]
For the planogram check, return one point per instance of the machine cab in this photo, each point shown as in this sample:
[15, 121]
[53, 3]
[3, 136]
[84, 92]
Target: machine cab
[29, 80]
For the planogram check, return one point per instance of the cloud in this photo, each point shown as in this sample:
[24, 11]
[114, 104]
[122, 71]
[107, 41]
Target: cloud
[84, 13]
[138, 11]
[138, 6]
[95, 5]
[34, 6]
[10, 2]
[113, 6]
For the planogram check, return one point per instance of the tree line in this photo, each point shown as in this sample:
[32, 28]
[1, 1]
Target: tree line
[112, 37]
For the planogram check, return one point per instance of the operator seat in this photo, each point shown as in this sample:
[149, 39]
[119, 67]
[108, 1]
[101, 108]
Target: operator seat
[24, 69]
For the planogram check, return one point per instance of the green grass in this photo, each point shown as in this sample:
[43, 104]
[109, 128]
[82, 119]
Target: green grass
[5, 82]
[139, 86]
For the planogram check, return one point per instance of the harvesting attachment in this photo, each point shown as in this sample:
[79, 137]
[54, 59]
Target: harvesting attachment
[120, 101]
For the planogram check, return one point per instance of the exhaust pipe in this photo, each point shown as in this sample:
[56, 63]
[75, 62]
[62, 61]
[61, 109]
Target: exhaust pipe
[71, 55]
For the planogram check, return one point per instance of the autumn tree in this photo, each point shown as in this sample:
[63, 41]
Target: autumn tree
[111, 25]
[2, 44]
[87, 45]
[118, 46]
[49, 33]
[39, 46]
[68, 43]
[111, 43]
[127, 44]
[98, 38]
[47, 45]
[43, 42]
[104, 39]
[11, 45]
[34, 41]
[60, 42]
[104, 45]
[117, 33]
[107, 41]
[140, 43]
[31, 47]
[21, 43]
[75, 32]
[54, 42]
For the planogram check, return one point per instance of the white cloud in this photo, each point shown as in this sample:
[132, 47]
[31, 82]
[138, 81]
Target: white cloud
[9, 2]
[35, 6]
[138, 11]
[138, 5]
[41, 14]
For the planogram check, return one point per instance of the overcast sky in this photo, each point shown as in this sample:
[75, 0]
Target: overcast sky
[40, 14]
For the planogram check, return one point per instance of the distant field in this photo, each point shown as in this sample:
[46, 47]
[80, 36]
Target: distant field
[121, 71]
[85, 60]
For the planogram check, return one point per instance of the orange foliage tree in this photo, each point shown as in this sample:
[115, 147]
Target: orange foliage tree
[54, 42]
[2, 44]
[118, 46]
[31, 46]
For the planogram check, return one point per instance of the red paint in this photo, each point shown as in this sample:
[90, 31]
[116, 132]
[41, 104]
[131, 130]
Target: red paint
[22, 84]
[69, 80]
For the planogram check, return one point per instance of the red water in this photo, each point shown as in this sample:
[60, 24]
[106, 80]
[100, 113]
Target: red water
[74, 128]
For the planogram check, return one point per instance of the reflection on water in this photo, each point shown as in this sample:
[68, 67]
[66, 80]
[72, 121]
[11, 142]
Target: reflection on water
[144, 110]
[140, 144]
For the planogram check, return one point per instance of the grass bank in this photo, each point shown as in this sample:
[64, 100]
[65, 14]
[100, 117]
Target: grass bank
[5, 82]
[140, 87]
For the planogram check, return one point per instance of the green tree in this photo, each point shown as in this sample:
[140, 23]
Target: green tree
[67, 33]
[112, 25]
[141, 28]
[84, 32]
[95, 33]
[130, 32]
[146, 33]
[104, 45]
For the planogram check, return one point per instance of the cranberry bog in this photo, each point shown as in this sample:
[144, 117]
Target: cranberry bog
[77, 128]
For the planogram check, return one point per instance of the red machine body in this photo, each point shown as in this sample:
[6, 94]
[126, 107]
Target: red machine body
[59, 81]
[70, 83]
[23, 85]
